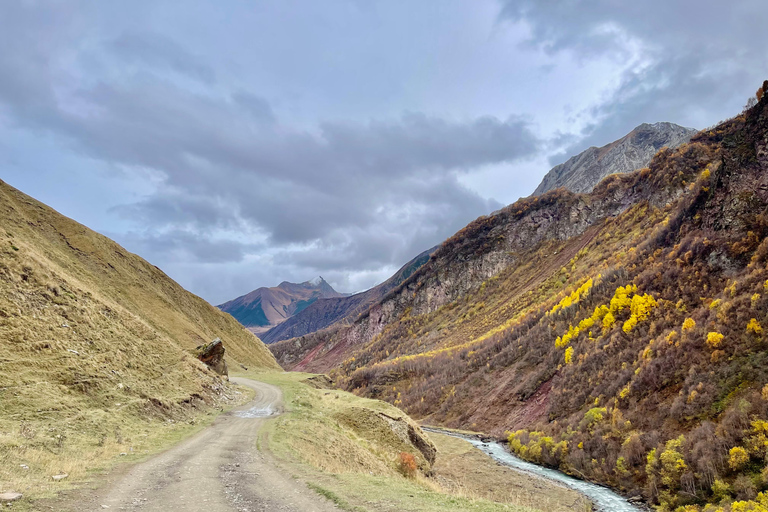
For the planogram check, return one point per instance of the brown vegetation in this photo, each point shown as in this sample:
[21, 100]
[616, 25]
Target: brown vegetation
[657, 371]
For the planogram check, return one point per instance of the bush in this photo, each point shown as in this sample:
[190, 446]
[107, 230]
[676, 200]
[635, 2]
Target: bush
[406, 464]
[738, 458]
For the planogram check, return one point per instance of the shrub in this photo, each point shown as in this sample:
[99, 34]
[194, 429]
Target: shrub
[406, 464]
[737, 458]
[714, 339]
[689, 324]
[754, 327]
[720, 490]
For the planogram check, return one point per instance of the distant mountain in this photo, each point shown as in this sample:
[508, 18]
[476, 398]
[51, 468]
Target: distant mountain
[326, 311]
[633, 151]
[620, 335]
[264, 308]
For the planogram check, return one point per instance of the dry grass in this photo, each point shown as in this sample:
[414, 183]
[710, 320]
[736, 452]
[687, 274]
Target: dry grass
[332, 440]
[95, 351]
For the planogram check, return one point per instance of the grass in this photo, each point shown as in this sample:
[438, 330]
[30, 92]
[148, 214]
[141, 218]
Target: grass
[334, 441]
[95, 352]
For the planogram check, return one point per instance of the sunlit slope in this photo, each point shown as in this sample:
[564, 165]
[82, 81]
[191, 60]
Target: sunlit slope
[622, 331]
[94, 343]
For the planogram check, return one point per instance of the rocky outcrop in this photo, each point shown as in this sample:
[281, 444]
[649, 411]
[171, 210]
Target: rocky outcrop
[410, 433]
[584, 171]
[212, 354]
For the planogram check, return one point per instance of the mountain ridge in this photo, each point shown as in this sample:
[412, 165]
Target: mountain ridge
[264, 308]
[582, 172]
[619, 334]
[327, 311]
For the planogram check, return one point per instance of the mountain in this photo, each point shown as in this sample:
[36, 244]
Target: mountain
[96, 347]
[264, 308]
[633, 151]
[327, 311]
[620, 334]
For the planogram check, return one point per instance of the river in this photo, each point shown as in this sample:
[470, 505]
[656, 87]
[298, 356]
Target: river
[604, 499]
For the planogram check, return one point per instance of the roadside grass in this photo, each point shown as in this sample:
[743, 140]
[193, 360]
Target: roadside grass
[329, 439]
[97, 445]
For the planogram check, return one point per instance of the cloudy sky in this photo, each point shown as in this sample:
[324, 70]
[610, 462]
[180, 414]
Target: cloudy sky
[240, 143]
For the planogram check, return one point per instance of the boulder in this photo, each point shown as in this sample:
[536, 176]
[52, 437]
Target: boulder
[212, 354]
[10, 496]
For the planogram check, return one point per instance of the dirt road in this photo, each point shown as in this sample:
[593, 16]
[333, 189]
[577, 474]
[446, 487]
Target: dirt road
[217, 470]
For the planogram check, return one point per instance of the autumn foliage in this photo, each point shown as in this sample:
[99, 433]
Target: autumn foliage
[629, 351]
[406, 464]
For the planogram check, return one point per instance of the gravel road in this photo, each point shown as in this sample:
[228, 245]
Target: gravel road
[216, 470]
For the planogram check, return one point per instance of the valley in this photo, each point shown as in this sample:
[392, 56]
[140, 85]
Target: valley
[470, 256]
[616, 335]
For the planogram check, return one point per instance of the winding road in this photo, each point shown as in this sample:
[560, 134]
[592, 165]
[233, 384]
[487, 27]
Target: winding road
[216, 470]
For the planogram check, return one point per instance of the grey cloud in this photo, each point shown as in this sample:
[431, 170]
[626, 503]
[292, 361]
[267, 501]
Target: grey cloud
[693, 59]
[340, 196]
[161, 53]
[178, 247]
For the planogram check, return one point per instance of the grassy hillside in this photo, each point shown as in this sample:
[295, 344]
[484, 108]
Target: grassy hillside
[95, 349]
[619, 333]
[347, 449]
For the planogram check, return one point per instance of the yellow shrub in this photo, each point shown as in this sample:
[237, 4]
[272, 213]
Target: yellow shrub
[754, 326]
[608, 321]
[714, 339]
[568, 355]
[737, 458]
[689, 324]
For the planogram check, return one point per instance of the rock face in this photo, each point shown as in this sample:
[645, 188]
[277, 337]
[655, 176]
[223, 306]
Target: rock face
[409, 432]
[326, 311]
[265, 308]
[634, 151]
[212, 354]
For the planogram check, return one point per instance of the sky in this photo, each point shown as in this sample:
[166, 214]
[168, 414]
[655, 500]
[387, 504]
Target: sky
[240, 143]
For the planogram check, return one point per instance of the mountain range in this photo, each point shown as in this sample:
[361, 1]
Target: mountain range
[264, 308]
[617, 333]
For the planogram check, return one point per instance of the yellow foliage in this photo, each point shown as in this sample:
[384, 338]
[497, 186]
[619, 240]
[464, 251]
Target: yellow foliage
[568, 355]
[671, 337]
[689, 324]
[624, 392]
[754, 326]
[715, 304]
[737, 458]
[574, 297]
[672, 462]
[608, 321]
[629, 324]
[755, 298]
[714, 339]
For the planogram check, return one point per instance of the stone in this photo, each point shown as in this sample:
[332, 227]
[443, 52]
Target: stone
[212, 354]
[10, 496]
[60, 477]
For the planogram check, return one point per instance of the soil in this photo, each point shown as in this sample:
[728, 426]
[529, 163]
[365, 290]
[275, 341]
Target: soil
[218, 470]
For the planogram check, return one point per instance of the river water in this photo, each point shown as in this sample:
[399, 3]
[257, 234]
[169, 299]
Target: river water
[604, 499]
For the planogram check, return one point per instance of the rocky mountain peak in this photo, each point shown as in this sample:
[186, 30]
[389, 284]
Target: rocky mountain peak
[581, 173]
